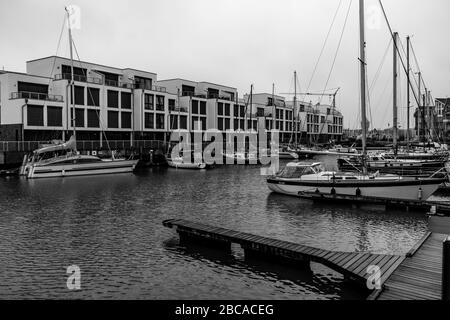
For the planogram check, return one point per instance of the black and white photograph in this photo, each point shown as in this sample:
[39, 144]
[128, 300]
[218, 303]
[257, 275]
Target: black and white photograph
[225, 158]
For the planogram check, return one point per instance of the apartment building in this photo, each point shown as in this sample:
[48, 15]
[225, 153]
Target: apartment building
[127, 104]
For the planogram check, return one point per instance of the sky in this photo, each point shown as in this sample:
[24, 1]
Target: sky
[242, 42]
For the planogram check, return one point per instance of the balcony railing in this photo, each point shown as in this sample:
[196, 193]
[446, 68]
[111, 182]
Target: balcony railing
[148, 87]
[79, 78]
[36, 96]
[112, 83]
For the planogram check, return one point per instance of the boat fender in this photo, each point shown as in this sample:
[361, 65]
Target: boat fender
[420, 193]
[317, 190]
[333, 191]
[358, 192]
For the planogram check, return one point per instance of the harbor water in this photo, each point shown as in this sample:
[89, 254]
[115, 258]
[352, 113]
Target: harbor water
[111, 228]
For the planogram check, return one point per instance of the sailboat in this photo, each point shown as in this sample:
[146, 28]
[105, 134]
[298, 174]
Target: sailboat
[63, 159]
[298, 178]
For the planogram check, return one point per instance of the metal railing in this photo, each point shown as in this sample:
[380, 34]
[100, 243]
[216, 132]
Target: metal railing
[79, 78]
[30, 146]
[36, 96]
[176, 109]
[147, 87]
[118, 84]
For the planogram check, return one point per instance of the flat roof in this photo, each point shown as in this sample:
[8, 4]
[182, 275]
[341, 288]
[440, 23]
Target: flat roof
[93, 63]
[23, 74]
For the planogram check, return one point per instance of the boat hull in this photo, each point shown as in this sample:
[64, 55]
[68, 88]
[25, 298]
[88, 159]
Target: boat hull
[405, 190]
[182, 165]
[79, 169]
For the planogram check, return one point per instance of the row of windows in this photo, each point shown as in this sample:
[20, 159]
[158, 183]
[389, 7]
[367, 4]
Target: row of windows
[174, 120]
[151, 104]
[93, 97]
[334, 129]
[196, 109]
[154, 121]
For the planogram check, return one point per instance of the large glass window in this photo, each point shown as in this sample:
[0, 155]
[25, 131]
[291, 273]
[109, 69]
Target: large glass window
[113, 119]
[160, 103]
[93, 97]
[35, 115]
[220, 109]
[159, 121]
[113, 99]
[54, 116]
[183, 122]
[93, 119]
[171, 104]
[227, 123]
[79, 117]
[79, 95]
[227, 109]
[195, 106]
[148, 121]
[173, 122]
[125, 102]
[203, 107]
[148, 101]
[125, 120]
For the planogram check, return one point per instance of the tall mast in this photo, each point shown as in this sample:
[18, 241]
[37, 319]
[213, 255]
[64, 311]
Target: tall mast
[395, 106]
[363, 83]
[295, 107]
[72, 81]
[251, 107]
[273, 107]
[407, 92]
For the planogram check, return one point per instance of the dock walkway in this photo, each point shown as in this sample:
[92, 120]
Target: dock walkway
[353, 265]
[419, 276]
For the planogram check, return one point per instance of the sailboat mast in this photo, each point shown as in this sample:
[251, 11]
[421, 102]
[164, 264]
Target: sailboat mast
[273, 107]
[395, 106]
[72, 81]
[408, 98]
[251, 107]
[295, 108]
[363, 83]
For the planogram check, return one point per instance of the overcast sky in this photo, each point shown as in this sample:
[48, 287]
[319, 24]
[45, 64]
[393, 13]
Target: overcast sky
[241, 42]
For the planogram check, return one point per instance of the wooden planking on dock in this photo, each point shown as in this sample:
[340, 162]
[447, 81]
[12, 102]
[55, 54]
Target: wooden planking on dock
[353, 265]
[419, 276]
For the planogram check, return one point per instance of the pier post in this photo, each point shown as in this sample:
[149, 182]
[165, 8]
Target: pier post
[446, 270]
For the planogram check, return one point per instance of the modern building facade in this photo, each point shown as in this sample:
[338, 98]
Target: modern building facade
[129, 104]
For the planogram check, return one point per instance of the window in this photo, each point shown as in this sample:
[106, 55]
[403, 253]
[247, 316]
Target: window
[159, 121]
[54, 116]
[173, 122]
[203, 123]
[160, 103]
[79, 117]
[125, 100]
[93, 97]
[227, 109]
[203, 107]
[195, 106]
[187, 90]
[35, 115]
[148, 101]
[113, 119]
[236, 111]
[183, 122]
[171, 104]
[195, 124]
[92, 119]
[220, 109]
[242, 111]
[148, 121]
[227, 123]
[143, 83]
[126, 120]
[113, 99]
[32, 87]
[236, 124]
[79, 95]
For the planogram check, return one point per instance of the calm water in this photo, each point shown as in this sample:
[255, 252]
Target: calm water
[110, 226]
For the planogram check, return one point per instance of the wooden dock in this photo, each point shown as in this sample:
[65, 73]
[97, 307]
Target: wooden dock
[419, 276]
[353, 265]
[419, 205]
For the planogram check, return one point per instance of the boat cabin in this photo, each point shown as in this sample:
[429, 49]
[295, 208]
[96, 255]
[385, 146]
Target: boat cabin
[298, 169]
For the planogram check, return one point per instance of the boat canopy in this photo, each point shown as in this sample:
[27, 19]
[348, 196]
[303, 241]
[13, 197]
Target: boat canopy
[296, 170]
[69, 145]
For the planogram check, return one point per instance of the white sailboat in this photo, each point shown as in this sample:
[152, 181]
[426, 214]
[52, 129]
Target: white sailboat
[297, 177]
[61, 160]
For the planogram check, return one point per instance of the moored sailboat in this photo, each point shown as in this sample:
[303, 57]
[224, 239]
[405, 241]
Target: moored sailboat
[298, 178]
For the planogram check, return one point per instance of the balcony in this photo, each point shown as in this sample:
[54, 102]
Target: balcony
[178, 109]
[36, 96]
[112, 83]
[144, 86]
[79, 78]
